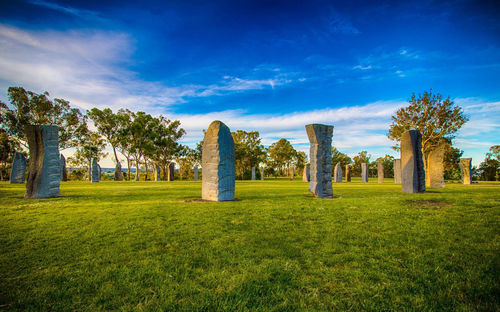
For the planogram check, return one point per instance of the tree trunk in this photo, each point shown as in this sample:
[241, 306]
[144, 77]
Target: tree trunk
[146, 167]
[90, 169]
[116, 156]
[137, 169]
[128, 165]
[164, 173]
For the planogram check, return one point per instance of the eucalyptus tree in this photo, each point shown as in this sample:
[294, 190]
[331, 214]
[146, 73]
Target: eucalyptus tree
[249, 151]
[339, 157]
[362, 157]
[281, 155]
[89, 145]
[124, 118]
[140, 136]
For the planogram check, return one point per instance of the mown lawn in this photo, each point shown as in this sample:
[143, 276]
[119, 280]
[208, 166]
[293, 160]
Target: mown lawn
[153, 246]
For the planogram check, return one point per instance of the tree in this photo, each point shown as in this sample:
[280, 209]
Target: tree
[249, 151]
[490, 167]
[388, 163]
[362, 157]
[437, 119]
[281, 155]
[108, 125]
[140, 137]
[452, 163]
[90, 145]
[300, 161]
[338, 157]
[29, 108]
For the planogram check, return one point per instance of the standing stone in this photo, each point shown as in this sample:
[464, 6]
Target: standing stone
[195, 177]
[96, 171]
[18, 171]
[64, 172]
[253, 173]
[118, 172]
[412, 164]
[291, 173]
[347, 173]
[380, 172]
[397, 171]
[262, 173]
[156, 173]
[435, 167]
[306, 174]
[44, 168]
[171, 170]
[337, 173]
[218, 174]
[466, 167]
[320, 154]
[364, 172]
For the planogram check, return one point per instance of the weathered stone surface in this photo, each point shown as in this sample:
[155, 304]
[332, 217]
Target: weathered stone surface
[44, 171]
[18, 171]
[347, 173]
[412, 165]
[337, 173]
[291, 173]
[96, 171]
[64, 172]
[262, 173]
[118, 172]
[380, 172]
[306, 174]
[364, 172]
[253, 173]
[196, 173]
[218, 173]
[466, 167]
[435, 167]
[171, 171]
[320, 154]
[156, 173]
[397, 171]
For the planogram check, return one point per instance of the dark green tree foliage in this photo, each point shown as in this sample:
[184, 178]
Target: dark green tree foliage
[108, 125]
[249, 152]
[89, 145]
[300, 161]
[339, 157]
[280, 156]
[388, 163]
[489, 169]
[30, 108]
[362, 157]
[452, 163]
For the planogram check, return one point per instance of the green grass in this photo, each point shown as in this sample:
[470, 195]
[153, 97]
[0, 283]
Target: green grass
[152, 246]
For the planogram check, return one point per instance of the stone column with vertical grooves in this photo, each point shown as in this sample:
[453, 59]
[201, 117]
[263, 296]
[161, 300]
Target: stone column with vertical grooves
[320, 155]
[218, 173]
[380, 172]
[435, 167]
[364, 172]
[44, 172]
[466, 167]
[412, 164]
[397, 171]
[18, 170]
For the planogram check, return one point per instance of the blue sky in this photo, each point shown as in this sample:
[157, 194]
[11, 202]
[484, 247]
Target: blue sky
[271, 66]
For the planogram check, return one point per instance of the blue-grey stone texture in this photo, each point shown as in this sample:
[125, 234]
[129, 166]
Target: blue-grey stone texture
[364, 172]
[412, 163]
[18, 171]
[96, 171]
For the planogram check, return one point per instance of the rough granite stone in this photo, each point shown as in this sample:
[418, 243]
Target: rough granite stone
[347, 173]
[320, 155]
[18, 171]
[44, 168]
[380, 172]
[171, 171]
[364, 172]
[412, 164]
[253, 173]
[196, 173]
[218, 173]
[64, 172]
[435, 167]
[397, 171]
[466, 167]
[337, 173]
[306, 174]
[96, 171]
[118, 172]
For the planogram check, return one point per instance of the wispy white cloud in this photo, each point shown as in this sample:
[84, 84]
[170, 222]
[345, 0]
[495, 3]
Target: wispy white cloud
[65, 9]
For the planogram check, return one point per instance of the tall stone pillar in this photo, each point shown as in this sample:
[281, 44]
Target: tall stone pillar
[262, 173]
[44, 172]
[337, 173]
[118, 172]
[435, 167]
[380, 172]
[171, 171]
[412, 165]
[397, 171]
[196, 173]
[18, 170]
[218, 173]
[253, 173]
[320, 154]
[347, 173]
[306, 174]
[157, 173]
[64, 172]
[96, 171]
[466, 167]
[364, 172]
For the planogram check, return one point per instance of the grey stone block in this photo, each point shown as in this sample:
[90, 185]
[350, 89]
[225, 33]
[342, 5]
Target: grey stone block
[380, 172]
[364, 172]
[196, 173]
[320, 154]
[18, 171]
[306, 174]
[118, 172]
[412, 165]
[253, 173]
[435, 167]
[337, 173]
[64, 172]
[96, 171]
[466, 167]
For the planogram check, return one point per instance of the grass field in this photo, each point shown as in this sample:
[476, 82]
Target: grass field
[153, 246]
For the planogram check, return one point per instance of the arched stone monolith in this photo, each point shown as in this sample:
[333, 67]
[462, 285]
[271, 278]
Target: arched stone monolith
[347, 173]
[218, 173]
[466, 167]
[337, 173]
[18, 170]
[44, 167]
[364, 172]
[320, 155]
[380, 172]
[435, 167]
[397, 171]
[412, 165]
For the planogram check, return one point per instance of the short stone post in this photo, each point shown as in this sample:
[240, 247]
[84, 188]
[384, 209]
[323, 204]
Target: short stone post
[380, 172]
[364, 172]
[64, 172]
[96, 176]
